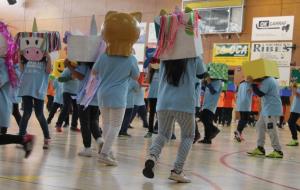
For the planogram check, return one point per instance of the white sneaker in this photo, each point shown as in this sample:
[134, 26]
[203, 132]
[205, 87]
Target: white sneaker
[105, 159]
[111, 155]
[86, 152]
[100, 143]
[180, 178]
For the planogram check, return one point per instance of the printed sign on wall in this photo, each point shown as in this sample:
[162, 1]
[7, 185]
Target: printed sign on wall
[275, 51]
[273, 28]
[233, 54]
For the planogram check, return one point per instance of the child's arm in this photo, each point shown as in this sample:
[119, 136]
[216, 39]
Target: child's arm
[210, 87]
[75, 74]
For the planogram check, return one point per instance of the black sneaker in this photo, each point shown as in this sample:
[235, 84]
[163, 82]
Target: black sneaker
[205, 141]
[196, 138]
[214, 133]
[173, 137]
[149, 166]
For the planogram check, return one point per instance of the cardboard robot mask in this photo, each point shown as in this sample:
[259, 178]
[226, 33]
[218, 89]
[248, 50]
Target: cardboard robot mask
[120, 32]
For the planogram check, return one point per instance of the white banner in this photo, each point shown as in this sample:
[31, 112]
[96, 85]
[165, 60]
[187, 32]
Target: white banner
[275, 51]
[152, 34]
[273, 28]
[285, 75]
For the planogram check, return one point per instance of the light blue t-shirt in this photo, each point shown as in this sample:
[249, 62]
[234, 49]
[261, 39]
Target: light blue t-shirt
[58, 98]
[139, 96]
[5, 101]
[182, 97]
[271, 102]
[244, 97]
[34, 80]
[211, 100]
[197, 92]
[296, 103]
[153, 88]
[114, 73]
[132, 89]
[71, 86]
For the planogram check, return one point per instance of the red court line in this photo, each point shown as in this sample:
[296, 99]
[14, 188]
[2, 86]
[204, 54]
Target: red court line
[223, 161]
[211, 183]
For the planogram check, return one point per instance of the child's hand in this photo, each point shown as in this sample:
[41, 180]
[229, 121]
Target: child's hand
[249, 79]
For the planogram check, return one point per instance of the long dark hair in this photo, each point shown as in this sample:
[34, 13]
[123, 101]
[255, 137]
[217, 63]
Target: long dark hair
[174, 70]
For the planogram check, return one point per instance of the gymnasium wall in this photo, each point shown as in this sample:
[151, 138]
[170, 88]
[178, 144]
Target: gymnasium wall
[62, 15]
[259, 8]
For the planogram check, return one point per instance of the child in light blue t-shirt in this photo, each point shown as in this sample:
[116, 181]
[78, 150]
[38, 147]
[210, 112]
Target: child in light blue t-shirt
[5, 112]
[213, 89]
[88, 116]
[114, 73]
[295, 115]
[268, 89]
[33, 89]
[57, 102]
[176, 101]
[70, 90]
[132, 89]
[244, 102]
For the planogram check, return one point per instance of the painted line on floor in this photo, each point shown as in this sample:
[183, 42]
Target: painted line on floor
[223, 161]
[211, 183]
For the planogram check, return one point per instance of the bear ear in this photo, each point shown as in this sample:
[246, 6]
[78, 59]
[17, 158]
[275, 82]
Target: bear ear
[137, 16]
[109, 13]
[163, 12]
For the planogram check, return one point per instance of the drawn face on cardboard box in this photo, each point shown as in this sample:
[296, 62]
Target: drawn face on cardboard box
[33, 48]
[3, 46]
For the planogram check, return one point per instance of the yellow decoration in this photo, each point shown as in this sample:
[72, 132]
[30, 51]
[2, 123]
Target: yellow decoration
[58, 68]
[120, 32]
[261, 68]
[213, 3]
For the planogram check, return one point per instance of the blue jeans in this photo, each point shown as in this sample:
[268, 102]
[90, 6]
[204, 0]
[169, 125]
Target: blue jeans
[38, 106]
[126, 120]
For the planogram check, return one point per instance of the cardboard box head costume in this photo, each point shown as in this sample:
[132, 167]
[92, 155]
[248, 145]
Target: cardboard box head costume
[179, 36]
[8, 50]
[218, 71]
[86, 48]
[261, 68]
[33, 45]
[120, 31]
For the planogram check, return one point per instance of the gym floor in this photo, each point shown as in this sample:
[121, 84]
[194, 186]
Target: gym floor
[222, 165]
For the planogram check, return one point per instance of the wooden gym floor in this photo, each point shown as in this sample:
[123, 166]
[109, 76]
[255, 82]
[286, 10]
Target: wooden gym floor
[222, 165]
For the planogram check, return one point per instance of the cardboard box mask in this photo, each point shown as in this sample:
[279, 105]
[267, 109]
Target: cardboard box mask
[261, 68]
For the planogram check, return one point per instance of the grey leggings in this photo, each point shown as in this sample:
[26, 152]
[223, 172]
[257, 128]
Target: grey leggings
[166, 120]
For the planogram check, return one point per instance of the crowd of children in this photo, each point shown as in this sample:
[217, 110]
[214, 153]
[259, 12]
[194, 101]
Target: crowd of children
[179, 90]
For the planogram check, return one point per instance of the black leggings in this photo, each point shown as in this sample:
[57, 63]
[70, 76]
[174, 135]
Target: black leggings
[244, 119]
[227, 116]
[207, 117]
[89, 121]
[293, 124]
[142, 113]
[68, 101]
[16, 113]
[53, 110]
[11, 139]
[152, 111]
